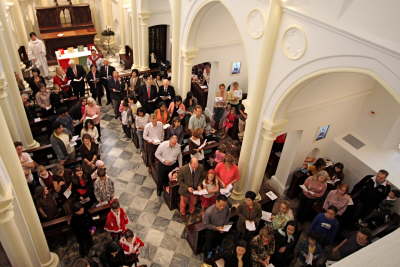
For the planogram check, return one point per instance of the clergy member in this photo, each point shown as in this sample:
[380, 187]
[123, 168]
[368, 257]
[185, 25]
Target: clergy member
[37, 54]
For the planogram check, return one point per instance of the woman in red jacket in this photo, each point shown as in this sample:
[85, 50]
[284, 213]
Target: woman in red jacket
[62, 81]
[116, 220]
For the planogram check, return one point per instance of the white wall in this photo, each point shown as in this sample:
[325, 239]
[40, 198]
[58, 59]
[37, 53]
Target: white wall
[160, 12]
[218, 42]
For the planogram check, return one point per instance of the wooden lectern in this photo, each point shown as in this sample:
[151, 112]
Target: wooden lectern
[65, 26]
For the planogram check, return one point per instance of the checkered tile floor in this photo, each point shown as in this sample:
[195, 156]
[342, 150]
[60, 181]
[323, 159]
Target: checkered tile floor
[160, 228]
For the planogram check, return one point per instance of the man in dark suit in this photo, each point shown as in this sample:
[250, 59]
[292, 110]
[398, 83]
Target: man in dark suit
[76, 74]
[106, 72]
[190, 178]
[93, 79]
[116, 87]
[166, 92]
[148, 95]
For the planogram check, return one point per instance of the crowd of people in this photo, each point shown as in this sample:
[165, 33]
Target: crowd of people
[172, 134]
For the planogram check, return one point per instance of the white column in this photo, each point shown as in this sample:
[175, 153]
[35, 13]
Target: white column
[144, 32]
[13, 242]
[16, 174]
[188, 56]
[256, 96]
[123, 24]
[19, 23]
[285, 166]
[14, 97]
[135, 35]
[7, 111]
[269, 133]
[176, 27]
[10, 38]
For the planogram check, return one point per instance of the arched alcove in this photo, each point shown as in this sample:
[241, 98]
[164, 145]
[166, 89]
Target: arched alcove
[213, 33]
[347, 103]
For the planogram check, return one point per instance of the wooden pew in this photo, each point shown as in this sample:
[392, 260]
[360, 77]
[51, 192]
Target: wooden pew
[59, 227]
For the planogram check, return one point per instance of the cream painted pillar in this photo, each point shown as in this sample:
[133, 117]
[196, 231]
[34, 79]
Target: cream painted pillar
[10, 38]
[16, 174]
[135, 35]
[285, 166]
[269, 132]
[5, 107]
[13, 242]
[123, 25]
[19, 23]
[144, 36]
[176, 26]
[256, 96]
[14, 97]
[188, 56]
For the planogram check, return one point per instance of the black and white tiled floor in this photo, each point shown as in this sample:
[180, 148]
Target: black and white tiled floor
[160, 228]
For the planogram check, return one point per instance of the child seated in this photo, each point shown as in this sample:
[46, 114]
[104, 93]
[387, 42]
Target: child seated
[116, 220]
[131, 244]
[45, 177]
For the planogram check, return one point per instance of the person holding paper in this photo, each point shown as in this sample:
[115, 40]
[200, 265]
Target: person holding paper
[106, 72]
[196, 144]
[116, 87]
[281, 214]
[235, 95]
[61, 143]
[162, 113]
[197, 120]
[219, 105]
[93, 79]
[43, 100]
[141, 120]
[210, 184]
[175, 129]
[170, 156]
[262, 247]
[65, 119]
[103, 187]
[313, 188]
[338, 198]
[76, 75]
[91, 130]
[90, 154]
[227, 172]
[308, 251]
[166, 92]
[175, 105]
[189, 179]
[249, 213]
[214, 220]
[153, 134]
[62, 81]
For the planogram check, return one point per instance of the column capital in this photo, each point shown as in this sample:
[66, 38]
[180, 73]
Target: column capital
[270, 130]
[189, 54]
[144, 17]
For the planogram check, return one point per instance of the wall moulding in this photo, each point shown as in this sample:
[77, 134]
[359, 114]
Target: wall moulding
[255, 23]
[294, 42]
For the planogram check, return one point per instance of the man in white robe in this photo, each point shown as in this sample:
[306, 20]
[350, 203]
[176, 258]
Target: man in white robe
[37, 54]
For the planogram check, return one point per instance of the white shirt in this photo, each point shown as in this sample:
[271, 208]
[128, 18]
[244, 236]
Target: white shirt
[170, 153]
[153, 133]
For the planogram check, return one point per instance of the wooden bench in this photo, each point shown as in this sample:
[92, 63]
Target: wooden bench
[59, 227]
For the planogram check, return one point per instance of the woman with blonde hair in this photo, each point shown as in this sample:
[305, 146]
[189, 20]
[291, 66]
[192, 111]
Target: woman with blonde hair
[314, 188]
[281, 214]
[92, 111]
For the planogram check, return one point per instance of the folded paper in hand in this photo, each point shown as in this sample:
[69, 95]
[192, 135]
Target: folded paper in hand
[250, 225]
[271, 195]
[156, 141]
[200, 192]
[302, 186]
[67, 193]
[227, 228]
[266, 216]
[166, 126]
[226, 191]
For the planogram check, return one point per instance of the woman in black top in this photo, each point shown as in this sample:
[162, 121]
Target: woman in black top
[35, 81]
[90, 153]
[82, 188]
[336, 175]
[285, 242]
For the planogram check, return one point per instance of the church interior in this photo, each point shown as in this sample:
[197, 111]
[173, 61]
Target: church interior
[199, 133]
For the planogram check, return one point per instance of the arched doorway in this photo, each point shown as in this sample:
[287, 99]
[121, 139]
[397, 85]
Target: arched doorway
[213, 36]
[347, 115]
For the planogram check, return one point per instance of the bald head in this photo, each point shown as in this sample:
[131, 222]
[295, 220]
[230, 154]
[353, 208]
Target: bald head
[173, 140]
[194, 163]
